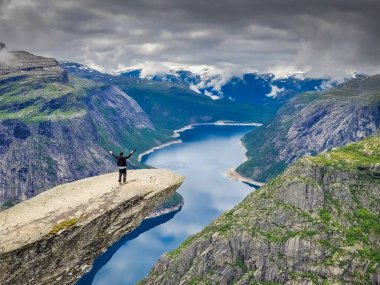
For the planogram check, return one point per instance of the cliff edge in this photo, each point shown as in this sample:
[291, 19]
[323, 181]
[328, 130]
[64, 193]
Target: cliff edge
[53, 238]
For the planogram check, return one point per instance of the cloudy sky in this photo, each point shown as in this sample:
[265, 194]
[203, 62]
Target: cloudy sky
[322, 38]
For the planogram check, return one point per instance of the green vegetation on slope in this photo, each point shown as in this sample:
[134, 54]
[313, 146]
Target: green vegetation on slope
[33, 100]
[263, 143]
[311, 123]
[171, 108]
[363, 155]
[317, 222]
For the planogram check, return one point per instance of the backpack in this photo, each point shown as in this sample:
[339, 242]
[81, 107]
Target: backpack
[121, 161]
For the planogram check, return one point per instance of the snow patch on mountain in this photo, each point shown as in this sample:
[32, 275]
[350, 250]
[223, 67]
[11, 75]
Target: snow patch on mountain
[275, 91]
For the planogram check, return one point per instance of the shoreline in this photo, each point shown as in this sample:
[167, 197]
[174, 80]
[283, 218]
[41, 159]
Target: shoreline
[233, 175]
[149, 151]
[230, 173]
[177, 134]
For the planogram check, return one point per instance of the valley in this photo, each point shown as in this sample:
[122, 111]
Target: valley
[57, 127]
[314, 151]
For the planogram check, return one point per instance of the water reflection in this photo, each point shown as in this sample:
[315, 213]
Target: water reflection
[146, 225]
[204, 157]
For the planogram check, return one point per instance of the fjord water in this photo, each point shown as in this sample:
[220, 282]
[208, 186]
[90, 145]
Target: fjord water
[203, 158]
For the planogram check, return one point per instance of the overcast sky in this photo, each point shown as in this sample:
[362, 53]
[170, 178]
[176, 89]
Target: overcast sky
[323, 38]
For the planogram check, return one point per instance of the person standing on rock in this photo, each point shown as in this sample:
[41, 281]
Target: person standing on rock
[122, 163]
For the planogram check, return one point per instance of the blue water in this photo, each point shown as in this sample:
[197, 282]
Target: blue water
[203, 158]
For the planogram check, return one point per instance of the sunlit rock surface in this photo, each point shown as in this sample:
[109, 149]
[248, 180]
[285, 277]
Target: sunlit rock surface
[53, 238]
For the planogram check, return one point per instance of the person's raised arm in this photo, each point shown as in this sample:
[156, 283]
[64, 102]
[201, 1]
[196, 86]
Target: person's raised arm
[112, 154]
[130, 154]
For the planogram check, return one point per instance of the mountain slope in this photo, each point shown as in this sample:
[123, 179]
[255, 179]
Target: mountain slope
[41, 154]
[317, 223]
[56, 128]
[311, 123]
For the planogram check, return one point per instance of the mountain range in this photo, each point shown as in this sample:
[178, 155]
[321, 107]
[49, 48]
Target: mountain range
[249, 88]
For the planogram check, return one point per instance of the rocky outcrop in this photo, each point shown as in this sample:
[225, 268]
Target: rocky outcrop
[312, 123]
[318, 223]
[22, 65]
[54, 237]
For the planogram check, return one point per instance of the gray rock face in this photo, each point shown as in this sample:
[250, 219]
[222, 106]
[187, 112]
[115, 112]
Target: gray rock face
[38, 156]
[123, 110]
[318, 223]
[323, 126]
[54, 237]
[22, 65]
[312, 123]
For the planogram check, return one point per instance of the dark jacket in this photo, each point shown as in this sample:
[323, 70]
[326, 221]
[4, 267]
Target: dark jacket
[121, 159]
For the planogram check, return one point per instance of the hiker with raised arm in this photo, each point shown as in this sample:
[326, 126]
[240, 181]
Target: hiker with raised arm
[122, 163]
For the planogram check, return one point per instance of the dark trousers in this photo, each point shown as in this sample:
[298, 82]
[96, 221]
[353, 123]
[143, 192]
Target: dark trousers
[123, 172]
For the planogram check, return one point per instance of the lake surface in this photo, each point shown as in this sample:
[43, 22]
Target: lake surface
[203, 157]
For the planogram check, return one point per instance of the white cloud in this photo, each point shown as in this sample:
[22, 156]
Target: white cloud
[150, 48]
[151, 68]
[212, 96]
[5, 56]
[323, 40]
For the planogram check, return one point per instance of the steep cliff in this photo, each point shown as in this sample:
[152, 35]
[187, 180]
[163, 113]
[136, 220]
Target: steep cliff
[37, 155]
[311, 123]
[317, 223]
[53, 238]
[56, 128]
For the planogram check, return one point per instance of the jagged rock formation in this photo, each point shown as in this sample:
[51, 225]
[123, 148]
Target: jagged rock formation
[54, 237]
[318, 223]
[311, 123]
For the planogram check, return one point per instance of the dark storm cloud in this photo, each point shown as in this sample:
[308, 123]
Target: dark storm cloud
[322, 37]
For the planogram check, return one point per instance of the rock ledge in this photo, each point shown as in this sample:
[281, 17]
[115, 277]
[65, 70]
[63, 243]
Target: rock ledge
[54, 237]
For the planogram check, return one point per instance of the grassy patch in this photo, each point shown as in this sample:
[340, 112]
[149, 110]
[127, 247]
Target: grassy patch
[34, 100]
[63, 226]
[8, 204]
[359, 156]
